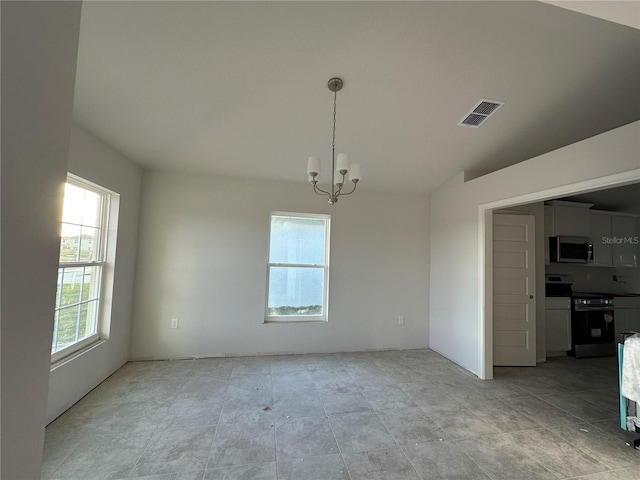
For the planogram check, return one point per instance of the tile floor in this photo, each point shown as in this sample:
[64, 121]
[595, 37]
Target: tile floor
[388, 415]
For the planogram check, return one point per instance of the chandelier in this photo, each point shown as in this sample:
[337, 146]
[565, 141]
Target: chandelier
[339, 172]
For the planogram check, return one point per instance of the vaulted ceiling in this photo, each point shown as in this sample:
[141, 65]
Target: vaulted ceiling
[239, 88]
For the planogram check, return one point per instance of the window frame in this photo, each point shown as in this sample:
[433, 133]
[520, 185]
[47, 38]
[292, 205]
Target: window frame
[324, 317]
[99, 262]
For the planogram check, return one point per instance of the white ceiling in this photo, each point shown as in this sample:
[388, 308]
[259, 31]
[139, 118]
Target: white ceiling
[239, 88]
[625, 13]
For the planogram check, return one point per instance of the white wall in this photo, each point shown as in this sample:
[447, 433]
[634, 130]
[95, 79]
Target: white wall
[454, 317]
[92, 160]
[202, 258]
[39, 49]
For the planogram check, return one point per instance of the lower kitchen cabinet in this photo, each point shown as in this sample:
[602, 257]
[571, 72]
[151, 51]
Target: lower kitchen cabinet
[627, 314]
[557, 325]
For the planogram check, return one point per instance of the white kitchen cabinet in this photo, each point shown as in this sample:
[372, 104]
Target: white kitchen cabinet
[615, 239]
[624, 230]
[570, 218]
[626, 314]
[600, 231]
[557, 325]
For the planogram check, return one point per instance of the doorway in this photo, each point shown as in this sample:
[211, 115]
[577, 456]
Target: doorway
[486, 214]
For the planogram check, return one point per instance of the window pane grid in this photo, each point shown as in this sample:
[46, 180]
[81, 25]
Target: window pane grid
[78, 284]
[82, 225]
[77, 302]
[80, 244]
[74, 323]
[82, 255]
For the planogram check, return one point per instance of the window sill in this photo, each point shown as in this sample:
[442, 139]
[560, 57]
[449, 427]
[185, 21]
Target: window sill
[294, 320]
[72, 356]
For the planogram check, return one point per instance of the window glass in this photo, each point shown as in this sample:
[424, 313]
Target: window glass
[82, 252]
[296, 291]
[298, 268]
[81, 206]
[297, 240]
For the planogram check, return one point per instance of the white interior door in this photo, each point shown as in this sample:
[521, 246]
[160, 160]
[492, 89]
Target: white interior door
[514, 314]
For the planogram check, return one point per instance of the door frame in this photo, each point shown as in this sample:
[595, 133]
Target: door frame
[485, 250]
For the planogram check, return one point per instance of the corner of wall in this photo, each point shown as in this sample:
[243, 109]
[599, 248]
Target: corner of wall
[93, 160]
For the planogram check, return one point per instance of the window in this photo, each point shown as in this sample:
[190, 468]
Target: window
[298, 272]
[83, 249]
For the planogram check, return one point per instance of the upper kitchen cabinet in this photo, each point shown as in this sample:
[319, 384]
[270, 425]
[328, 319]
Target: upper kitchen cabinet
[600, 230]
[625, 240]
[569, 218]
[615, 239]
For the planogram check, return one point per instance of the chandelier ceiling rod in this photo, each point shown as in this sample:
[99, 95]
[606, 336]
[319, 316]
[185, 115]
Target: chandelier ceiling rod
[313, 165]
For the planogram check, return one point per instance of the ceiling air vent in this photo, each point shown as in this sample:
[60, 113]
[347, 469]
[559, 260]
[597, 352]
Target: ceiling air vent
[479, 113]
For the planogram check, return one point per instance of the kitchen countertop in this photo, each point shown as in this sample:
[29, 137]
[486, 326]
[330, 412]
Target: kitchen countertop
[626, 294]
[605, 294]
[577, 294]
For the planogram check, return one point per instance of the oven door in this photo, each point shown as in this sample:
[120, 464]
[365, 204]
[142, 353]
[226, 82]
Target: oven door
[593, 333]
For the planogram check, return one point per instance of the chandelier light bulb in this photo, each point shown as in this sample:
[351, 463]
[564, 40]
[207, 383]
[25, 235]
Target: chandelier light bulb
[313, 166]
[343, 164]
[354, 174]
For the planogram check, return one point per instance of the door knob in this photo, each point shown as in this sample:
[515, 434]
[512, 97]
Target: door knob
[531, 297]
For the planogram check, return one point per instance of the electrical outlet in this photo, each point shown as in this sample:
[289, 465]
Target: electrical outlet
[174, 323]
[401, 320]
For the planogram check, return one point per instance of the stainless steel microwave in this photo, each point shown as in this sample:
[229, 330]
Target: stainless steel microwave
[565, 249]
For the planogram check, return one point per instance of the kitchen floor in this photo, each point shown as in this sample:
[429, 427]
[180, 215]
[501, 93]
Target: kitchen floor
[388, 415]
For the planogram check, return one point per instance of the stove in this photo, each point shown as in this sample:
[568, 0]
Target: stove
[592, 325]
[592, 319]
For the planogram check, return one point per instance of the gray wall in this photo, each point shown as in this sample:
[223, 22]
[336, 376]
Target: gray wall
[39, 50]
[92, 160]
[203, 258]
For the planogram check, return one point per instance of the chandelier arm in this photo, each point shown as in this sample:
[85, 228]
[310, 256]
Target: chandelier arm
[340, 187]
[319, 191]
[353, 190]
